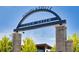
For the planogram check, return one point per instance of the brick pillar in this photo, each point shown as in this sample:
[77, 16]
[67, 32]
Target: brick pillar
[60, 38]
[69, 46]
[16, 42]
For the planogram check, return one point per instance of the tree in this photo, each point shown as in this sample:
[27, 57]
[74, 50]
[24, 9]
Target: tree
[5, 44]
[29, 45]
[77, 48]
[75, 39]
[53, 49]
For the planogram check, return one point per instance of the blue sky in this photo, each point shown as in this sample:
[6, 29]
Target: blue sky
[10, 17]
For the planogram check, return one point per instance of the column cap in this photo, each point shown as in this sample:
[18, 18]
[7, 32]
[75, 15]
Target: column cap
[16, 33]
[60, 25]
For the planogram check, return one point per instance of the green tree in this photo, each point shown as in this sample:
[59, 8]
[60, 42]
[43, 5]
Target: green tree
[77, 48]
[5, 44]
[29, 45]
[75, 39]
[53, 49]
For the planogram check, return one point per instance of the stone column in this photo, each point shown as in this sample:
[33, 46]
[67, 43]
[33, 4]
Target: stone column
[60, 38]
[69, 46]
[16, 42]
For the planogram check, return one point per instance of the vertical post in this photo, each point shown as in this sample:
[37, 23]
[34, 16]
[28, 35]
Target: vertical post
[16, 42]
[60, 38]
[69, 46]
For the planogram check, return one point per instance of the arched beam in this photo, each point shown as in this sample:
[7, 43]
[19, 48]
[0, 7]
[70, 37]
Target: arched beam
[38, 10]
[41, 23]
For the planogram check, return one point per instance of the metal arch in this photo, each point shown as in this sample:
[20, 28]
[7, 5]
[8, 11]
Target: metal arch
[38, 10]
[42, 23]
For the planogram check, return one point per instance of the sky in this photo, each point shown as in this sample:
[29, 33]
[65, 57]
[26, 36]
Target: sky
[10, 16]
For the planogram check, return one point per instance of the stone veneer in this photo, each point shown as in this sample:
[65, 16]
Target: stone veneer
[16, 42]
[60, 38]
[69, 46]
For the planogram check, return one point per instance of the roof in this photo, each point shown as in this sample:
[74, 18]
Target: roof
[41, 46]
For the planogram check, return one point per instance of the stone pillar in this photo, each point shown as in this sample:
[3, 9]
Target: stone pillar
[16, 42]
[60, 38]
[69, 46]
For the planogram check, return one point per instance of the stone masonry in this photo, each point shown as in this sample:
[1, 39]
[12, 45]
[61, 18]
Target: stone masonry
[69, 46]
[16, 42]
[60, 38]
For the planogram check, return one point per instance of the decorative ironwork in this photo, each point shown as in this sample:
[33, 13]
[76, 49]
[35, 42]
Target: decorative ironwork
[41, 23]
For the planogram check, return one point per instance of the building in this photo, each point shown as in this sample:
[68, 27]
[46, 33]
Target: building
[43, 48]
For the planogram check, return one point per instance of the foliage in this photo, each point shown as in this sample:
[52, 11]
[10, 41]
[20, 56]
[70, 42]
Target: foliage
[29, 45]
[5, 44]
[75, 39]
[53, 49]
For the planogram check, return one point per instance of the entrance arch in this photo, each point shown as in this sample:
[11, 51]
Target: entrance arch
[46, 22]
[60, 28]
